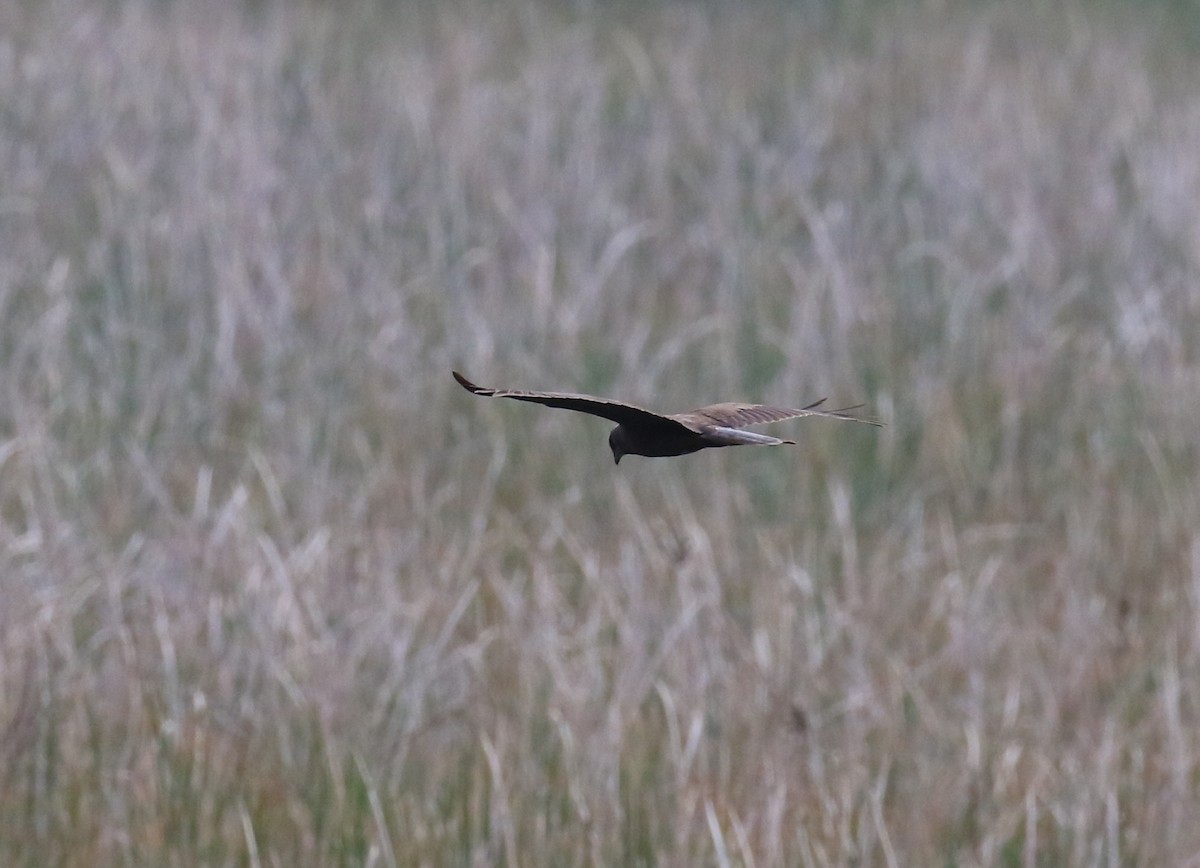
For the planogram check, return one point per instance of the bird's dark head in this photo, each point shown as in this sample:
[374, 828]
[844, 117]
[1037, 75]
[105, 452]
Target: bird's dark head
[617, 443]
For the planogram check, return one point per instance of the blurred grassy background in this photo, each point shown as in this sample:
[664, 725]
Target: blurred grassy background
[275, 591]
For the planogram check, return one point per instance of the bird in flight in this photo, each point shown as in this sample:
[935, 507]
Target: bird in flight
[642, 432]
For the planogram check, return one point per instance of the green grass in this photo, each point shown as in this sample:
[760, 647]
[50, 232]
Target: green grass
[275, 591]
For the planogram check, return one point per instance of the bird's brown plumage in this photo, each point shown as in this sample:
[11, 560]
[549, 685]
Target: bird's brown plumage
[642, 432]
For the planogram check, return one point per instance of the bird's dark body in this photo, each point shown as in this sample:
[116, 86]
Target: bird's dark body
[663, 442]
[655, 435]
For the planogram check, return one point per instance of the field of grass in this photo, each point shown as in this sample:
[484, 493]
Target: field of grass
[274, 591]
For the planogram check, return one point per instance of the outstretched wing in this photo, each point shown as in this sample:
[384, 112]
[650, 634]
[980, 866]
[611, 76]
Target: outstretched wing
[615, 411]
[741, 415]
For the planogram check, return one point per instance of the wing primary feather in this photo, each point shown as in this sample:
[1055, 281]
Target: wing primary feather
[471, 387]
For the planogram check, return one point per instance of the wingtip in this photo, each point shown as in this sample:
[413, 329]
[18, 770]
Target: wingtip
[847, 413]
[466, 384]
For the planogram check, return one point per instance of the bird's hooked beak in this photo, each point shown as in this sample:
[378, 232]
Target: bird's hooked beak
[614, 443]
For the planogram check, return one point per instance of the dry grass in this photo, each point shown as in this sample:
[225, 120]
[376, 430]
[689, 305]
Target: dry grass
[277, 592]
